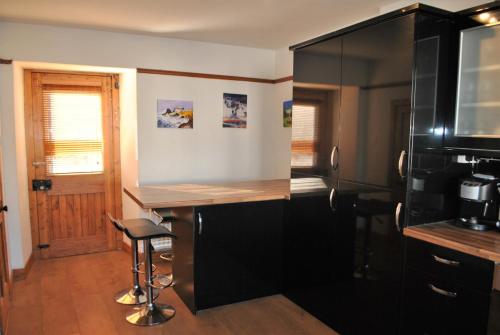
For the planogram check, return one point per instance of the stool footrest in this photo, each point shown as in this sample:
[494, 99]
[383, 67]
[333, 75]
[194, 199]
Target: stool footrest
[163, 280]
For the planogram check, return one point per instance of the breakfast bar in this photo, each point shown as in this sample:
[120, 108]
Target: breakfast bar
[229, 245]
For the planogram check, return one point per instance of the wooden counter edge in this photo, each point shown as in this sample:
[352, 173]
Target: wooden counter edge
[447, 243]
[220, 201]
[131, 195]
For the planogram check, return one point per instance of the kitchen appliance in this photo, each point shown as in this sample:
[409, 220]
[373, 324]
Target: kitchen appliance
[479, 202]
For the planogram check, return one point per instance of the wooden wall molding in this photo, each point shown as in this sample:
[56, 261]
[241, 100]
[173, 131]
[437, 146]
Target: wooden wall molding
[213, 76]
[5, 61]
[20, 274]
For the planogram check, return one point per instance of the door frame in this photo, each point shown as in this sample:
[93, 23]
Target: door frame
[112, 178]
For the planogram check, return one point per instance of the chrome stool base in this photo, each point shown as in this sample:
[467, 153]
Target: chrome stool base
[134, 296]
[150, 315]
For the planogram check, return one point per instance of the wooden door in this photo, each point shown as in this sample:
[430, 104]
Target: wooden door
[4, 266]
[72, 139]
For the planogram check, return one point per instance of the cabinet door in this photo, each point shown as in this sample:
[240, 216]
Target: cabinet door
[432, 85]
[316, 100]
[309, 247]
[375, 116]
[237, 252]
[476, 124]
[376, 102]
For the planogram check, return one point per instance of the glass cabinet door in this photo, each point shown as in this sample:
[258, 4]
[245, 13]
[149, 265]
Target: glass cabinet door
[478, 98]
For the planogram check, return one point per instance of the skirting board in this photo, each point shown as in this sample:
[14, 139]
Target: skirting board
[20, 274]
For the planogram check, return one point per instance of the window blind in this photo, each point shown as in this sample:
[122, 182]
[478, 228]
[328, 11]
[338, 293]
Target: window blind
[72, 130]
[305, 135]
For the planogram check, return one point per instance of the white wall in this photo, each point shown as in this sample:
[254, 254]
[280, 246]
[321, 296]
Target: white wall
[17, 218]
[204, 153]
[208, 151]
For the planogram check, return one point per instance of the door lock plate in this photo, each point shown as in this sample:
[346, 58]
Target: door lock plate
[42, 184]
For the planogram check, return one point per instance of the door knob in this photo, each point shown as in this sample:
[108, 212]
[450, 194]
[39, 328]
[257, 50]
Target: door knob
[4, 209]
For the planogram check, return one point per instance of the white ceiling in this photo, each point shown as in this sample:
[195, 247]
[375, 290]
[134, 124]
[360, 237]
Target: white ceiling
[255, 23]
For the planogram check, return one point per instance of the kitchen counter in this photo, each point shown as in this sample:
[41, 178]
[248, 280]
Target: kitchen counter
[481, 244]
[199, 194]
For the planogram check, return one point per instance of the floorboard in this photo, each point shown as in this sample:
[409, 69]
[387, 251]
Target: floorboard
[74, 296]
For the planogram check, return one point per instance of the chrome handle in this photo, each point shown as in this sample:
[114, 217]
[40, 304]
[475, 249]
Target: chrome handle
[333, 193]
[200, 223]
[397, 215]
[445, 261]
[37, 164]
[442, 292]
[333, 156]
[401, 163]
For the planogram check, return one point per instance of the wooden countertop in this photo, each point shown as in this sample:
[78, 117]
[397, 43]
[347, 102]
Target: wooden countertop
[184, 195]
[481, 244]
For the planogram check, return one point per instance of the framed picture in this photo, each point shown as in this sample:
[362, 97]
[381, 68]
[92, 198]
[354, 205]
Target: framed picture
[174, 114]
[287, 113]
[234, 110]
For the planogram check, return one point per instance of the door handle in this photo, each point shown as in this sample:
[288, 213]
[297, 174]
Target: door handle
[445, 261]
[200, 224]
[4, 209]
[333, 194]
[334, 162]
[401, 163]
[398, 215]
[442, 292]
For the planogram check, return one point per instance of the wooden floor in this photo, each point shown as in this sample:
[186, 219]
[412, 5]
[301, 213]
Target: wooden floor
[73, 295]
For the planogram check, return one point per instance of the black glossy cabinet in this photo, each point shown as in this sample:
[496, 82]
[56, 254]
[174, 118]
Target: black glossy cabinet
[472, 126]
[229, 253]
[447, 292]
[386, 81]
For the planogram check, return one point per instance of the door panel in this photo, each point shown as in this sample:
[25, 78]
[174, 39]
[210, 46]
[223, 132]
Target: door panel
[317, 82]
[374, 131]
[376, 81]
[71, 143]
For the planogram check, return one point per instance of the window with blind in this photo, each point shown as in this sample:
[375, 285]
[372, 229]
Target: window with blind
[305, 135]
[73, 130]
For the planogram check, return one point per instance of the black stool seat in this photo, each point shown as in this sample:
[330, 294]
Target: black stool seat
[142, 229]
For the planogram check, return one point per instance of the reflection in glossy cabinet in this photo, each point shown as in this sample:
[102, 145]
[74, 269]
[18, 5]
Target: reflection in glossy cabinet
[317, 79]
[376, 100]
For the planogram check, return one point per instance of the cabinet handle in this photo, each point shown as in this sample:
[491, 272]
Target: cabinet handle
[401, 163]
[200, 224]
[333, 156]
[445, 261]
[397, 215]
[442, 292]
[333, 193]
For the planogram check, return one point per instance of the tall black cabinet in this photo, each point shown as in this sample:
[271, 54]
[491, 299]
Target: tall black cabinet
[343, 253]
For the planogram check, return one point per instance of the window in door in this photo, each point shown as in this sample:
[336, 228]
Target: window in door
[73, 131]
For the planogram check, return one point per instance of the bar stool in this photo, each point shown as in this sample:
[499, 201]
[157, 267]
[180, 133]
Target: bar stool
[136, 294]
[150, 313]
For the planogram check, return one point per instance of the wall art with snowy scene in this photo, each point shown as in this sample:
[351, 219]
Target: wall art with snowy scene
[174, 114]
[234, 110]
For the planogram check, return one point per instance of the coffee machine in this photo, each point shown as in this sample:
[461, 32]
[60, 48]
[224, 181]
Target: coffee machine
[479, 202]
